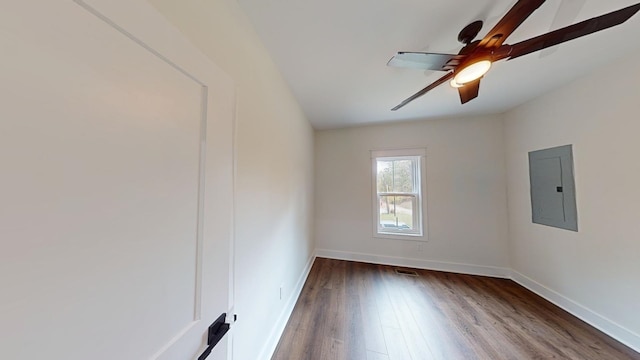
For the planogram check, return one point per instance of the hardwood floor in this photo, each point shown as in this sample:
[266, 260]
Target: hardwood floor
[354, 311]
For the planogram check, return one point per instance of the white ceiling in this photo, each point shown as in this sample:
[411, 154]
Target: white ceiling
[333, 54]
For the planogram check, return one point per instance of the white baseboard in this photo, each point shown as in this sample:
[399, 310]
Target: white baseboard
[278, 328]
[417, 263]
[585, 314]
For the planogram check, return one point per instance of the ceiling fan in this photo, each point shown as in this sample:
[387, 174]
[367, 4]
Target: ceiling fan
[466, 69]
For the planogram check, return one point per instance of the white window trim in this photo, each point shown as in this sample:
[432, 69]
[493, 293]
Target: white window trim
[421, 215]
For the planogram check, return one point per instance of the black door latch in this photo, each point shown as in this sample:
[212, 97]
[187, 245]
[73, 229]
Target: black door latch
[217, 330]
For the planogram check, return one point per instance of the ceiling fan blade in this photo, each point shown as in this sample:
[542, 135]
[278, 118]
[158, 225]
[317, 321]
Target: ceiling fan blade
[573, 32]
[567, 13]
[421, 60]
[469, 91]
[516, 16]
[430, 87]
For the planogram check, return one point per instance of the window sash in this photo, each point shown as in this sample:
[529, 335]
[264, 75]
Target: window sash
[416, 228]
[415, 171]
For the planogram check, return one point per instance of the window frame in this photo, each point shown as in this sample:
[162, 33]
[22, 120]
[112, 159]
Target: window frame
[418, 156]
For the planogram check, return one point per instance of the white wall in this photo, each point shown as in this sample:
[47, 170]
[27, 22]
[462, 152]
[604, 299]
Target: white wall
[466, 194]
[274, 198]
[594, 272]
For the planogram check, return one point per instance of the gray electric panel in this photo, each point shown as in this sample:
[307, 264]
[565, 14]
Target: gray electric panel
[553, 195]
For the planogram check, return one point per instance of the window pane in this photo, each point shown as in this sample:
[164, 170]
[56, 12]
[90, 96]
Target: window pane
[385, 176]
[403, 176]
[395, 176]
[396, 213]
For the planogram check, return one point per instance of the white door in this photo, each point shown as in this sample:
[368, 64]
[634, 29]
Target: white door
[115, 184]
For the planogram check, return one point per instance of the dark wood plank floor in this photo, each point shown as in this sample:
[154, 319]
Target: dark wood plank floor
[354, 311]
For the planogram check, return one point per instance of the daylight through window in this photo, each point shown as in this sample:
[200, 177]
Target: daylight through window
[398, 192]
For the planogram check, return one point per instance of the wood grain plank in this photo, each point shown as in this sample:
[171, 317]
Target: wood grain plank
[412, 332]
[371, 322]
[397, 347]
[372, 355]
[443, 338]
[355, 346]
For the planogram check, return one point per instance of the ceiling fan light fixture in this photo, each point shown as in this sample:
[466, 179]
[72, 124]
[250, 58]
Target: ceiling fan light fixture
[455, 85]
[472, 72]
[475, 59]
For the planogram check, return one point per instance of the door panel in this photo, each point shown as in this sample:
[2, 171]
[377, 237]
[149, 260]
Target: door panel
[549, 202]
[103, 146]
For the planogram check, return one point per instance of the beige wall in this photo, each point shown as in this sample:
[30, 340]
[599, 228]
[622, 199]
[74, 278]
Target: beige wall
[274, 142]
[465, 202]
[594, 272]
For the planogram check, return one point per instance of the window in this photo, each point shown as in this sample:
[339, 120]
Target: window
[397, 179]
